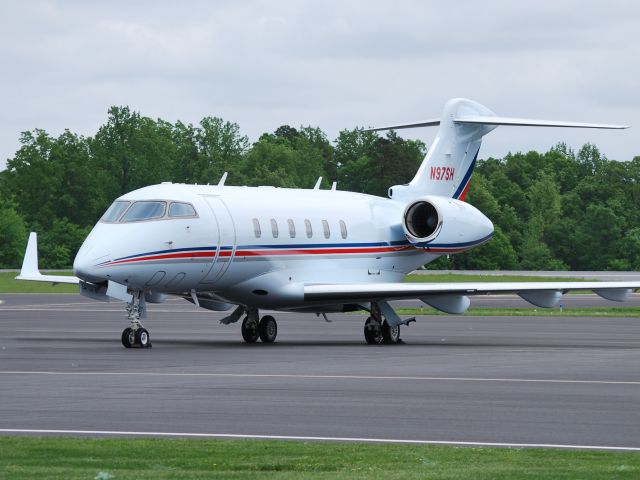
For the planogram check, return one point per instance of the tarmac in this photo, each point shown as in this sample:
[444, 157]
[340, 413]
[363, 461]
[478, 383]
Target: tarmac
[522, 381]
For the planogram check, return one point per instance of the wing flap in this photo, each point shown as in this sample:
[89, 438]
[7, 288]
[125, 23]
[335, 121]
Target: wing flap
[543, 292]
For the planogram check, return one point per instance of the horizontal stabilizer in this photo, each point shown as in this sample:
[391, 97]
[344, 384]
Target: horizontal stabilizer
[425, 123]
[507, 121]
[529, 122]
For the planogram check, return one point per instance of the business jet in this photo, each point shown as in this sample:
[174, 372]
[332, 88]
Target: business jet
[245, 249]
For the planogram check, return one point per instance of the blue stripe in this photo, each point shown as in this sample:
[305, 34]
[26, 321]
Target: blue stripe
[466, 177]
[324, 245]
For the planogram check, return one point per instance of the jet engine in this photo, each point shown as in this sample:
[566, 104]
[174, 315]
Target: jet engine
[435, 222]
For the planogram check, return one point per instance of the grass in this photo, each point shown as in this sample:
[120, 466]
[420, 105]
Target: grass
[70, 458]
[8, 284]
[533, 311]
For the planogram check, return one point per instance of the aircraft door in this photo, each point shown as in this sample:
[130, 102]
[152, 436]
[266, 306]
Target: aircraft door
[226, 240]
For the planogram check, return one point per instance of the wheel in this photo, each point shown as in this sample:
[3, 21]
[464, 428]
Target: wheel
[249, 330]
[142, 337]
[128, 337]
[373, 332]
[268, 329]
[390, 334]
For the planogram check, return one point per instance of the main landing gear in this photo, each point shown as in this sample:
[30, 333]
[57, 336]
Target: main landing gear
[135, 335]
[265, 329]
[378, 331]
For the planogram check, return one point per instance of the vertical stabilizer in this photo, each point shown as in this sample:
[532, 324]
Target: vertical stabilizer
[446, 169]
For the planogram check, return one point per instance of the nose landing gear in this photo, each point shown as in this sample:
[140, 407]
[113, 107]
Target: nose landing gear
[135, 335]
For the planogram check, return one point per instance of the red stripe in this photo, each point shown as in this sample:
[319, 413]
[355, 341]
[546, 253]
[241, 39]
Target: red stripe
[463, 195]
[266, 252]
[167, 256]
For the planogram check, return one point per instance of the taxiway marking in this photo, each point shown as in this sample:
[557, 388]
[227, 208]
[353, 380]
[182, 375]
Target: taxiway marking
[331, 377]
[314, 438]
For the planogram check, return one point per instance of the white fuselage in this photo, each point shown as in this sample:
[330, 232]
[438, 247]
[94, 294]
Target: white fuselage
[305, 236]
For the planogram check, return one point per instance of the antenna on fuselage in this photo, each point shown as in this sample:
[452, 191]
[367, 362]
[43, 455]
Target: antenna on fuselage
[317, 186]
[334, 186]
[223, 179]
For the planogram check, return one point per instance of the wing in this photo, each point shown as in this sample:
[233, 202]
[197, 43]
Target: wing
[30, 269]
[453, 297]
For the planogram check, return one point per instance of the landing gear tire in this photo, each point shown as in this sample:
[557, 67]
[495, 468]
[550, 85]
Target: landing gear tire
[250, 332]
[373, 332]
[128, 337]
[390, 335]
[142, 338]
[268, 329]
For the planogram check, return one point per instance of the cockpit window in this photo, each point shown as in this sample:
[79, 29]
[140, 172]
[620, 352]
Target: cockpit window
[144, 211]
[177, 209]
[114, 211]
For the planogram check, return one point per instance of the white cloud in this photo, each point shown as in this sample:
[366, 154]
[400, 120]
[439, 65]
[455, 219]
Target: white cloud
[331, 64]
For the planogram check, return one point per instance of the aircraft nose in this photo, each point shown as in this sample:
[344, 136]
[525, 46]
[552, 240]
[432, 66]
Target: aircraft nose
[87, 261]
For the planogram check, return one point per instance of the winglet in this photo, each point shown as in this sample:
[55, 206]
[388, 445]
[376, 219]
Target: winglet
[30, 261]
[30, 270]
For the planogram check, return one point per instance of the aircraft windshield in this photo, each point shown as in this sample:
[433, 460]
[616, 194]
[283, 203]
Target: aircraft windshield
[114, 211]
[144, 211]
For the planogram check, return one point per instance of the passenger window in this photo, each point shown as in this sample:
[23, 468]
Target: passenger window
[178, 209]
[343, 229]
[274, 228]
[292, 228]
[144, 211]
[325, 229]
[256, 228]
[307, 226]
[114, 211]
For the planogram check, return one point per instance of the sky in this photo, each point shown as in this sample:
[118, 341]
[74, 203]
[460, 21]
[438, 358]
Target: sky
[331, 64]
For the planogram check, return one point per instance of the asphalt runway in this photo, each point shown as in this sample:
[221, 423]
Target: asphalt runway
[487, 380]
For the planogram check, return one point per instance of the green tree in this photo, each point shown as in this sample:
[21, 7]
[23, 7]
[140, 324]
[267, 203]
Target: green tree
[14, 236]
[598, 234]
[133, 151]
[496, 254]
[371, 164]
[535, 253]
[59, 176]
[59, 243]
[221, 148]
[286, 158]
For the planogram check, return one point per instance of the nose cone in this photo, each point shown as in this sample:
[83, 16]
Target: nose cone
[87, 264]
[488, 227]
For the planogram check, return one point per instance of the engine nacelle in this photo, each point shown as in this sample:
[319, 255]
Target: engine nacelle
[445, 225]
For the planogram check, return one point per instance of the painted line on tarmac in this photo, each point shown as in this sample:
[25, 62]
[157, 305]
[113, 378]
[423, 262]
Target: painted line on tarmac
[78, 309]
[315, 438]
[328, 377]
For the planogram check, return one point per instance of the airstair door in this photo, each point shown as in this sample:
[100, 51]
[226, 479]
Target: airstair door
[226, 239]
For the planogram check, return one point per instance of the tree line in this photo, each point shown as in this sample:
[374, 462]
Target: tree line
[552, 211]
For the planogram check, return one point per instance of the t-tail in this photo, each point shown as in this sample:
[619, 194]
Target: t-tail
[447, 168]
